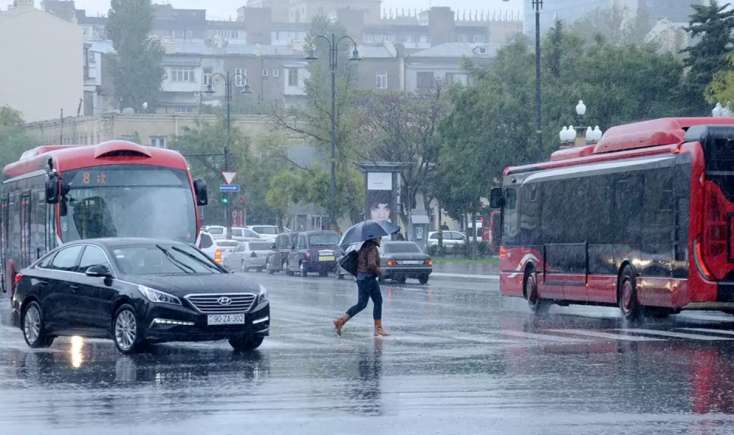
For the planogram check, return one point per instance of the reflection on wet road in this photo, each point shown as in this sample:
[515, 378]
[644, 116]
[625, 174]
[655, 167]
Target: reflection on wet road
[461, 360]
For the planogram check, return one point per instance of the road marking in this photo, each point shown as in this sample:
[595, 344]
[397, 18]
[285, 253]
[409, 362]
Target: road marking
[675, 334]
[465, 275]
[604, 335]
[713, 331]
[540, 337]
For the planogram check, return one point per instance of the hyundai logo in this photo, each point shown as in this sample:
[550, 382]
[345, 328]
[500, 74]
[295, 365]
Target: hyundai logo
[224, 300]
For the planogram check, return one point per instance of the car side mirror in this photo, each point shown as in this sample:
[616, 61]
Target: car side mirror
[496, 198]
[99, 270]
[202, 195]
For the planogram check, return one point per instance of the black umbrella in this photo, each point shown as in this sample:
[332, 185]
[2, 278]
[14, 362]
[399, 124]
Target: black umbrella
[367, 230]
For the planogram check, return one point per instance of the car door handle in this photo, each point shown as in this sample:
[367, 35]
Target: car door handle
[74, 288]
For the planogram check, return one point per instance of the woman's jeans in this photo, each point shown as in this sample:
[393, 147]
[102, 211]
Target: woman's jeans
[368, 288]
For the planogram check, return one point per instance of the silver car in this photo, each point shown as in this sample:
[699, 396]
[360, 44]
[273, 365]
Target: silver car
[249, 255]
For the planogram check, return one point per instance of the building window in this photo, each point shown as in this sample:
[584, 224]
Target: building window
[456, 79]
[292, 76]
[425, 80]
[240, 77]
[158, 141]
[381, 82]
[276, 72]
[207, 77]
[266, 72]
[182, 75]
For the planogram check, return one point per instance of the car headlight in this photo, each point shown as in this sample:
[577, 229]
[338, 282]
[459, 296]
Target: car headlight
[263, 295]
[158, 296]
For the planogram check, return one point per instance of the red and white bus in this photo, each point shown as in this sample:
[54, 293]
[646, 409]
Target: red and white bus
[643, 220]
[59, 193]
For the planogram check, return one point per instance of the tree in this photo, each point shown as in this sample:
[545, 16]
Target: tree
[398, 127]
[711, 26]
[137, 64]
[721, 88]
[13, 138]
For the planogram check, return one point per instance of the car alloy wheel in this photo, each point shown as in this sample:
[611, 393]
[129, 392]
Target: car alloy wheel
[126, 330]
[32, 323]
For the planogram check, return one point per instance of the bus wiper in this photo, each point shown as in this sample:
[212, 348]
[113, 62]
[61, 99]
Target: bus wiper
[176, 262]
[188, 254]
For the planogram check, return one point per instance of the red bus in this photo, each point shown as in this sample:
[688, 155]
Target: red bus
[59, 193]
[643, 220]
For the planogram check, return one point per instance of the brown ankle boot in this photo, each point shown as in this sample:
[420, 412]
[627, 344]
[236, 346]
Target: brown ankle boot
[379, 332]
[339, 324]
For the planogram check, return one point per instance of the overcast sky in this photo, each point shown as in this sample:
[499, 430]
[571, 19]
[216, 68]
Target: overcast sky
[224, 9]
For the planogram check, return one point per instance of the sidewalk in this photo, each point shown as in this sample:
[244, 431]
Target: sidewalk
[466, 270]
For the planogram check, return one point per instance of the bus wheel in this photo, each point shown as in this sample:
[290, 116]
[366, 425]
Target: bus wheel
[627, 295]
[537, 304]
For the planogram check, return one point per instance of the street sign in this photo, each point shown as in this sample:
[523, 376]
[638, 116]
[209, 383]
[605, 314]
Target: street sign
[228, 177]
[229, 188]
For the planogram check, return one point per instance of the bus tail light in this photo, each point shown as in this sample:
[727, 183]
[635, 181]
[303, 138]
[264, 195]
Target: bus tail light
[218, 256]
[503, 252]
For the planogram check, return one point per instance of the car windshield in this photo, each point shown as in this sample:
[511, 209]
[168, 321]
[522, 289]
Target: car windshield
[261, 246]
[162, 260]
[323, 239]
[265, 230]
[128, 201]
[402, 248]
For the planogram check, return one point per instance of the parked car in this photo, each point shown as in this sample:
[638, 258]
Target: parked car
[315, 252]
[402, 260]
[277, 261]
[267, 232]
[243, 234]
[216, 249]
[249, 255]
[136, 291]
[452, 240]
[218, 232]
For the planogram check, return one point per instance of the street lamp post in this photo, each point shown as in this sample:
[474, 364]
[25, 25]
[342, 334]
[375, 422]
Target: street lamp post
[227, 77]
[333, 44]
[538, 6]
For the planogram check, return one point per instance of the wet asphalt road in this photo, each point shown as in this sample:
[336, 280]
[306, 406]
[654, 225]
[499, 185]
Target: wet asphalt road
[462, 360]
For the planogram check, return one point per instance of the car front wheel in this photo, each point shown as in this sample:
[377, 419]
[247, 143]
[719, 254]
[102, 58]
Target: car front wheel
[126, 331]
[33, 327]
[246, 343]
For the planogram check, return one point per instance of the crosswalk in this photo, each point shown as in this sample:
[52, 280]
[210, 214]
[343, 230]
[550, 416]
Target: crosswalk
[293, 336]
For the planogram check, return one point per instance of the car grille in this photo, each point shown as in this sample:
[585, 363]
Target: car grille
[241, 303]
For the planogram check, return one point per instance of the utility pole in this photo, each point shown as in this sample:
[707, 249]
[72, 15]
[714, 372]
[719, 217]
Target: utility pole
[538, 6]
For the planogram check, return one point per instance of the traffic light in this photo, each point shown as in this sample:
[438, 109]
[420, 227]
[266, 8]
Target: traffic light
[225, 199]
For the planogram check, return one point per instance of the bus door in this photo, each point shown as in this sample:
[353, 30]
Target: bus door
[565, 251]
[25, 230]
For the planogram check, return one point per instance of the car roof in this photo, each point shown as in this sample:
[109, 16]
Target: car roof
[398, 242]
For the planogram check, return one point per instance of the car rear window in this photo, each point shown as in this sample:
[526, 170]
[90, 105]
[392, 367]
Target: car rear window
[215, 230]
[266, 230]
[261, 246]
[323, 239]
[227, 243]
[402, 248]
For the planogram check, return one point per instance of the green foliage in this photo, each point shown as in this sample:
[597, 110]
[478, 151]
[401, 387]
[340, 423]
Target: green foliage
[13, 138]
[711, 26]
[721, 88]
[137, 64]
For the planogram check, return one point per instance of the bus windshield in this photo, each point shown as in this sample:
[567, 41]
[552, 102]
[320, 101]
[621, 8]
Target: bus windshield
[128, 201]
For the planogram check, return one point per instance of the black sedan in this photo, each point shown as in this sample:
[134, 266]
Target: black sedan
[402, 260]
[137, 291]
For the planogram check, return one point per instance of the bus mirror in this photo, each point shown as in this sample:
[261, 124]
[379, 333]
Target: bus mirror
[52, 190]
[496, 198]
[202, 197]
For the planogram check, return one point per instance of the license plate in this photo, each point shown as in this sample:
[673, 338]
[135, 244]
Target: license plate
[411, 262]
[225, 319]
[327, 258]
